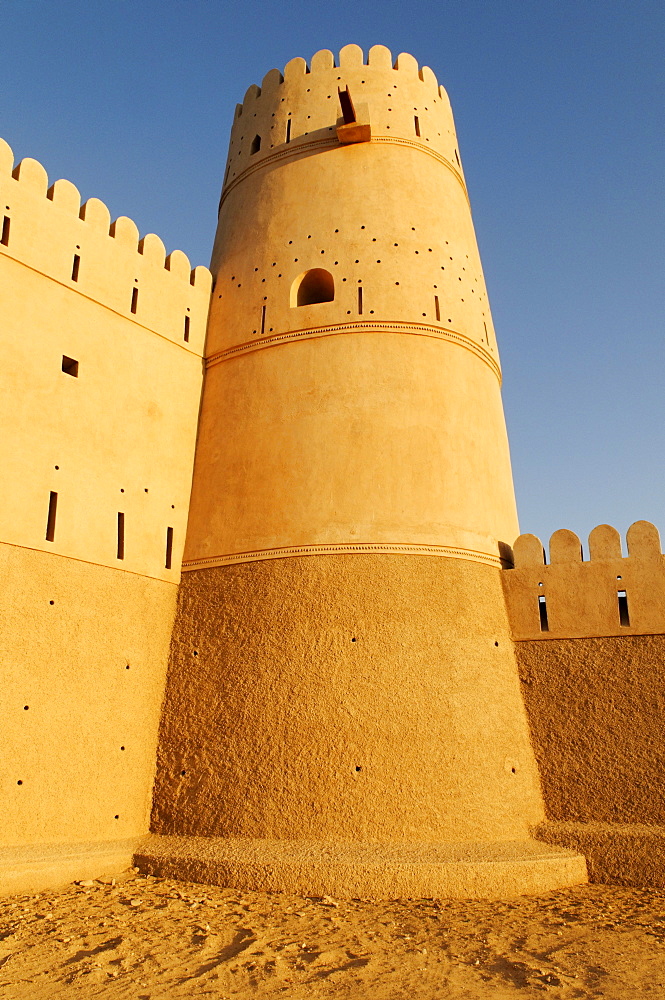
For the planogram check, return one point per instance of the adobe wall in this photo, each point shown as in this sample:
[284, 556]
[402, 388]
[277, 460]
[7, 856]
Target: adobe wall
[371, 421]
[341, 669]
[345, 697]
[593, 679]
[99, 407]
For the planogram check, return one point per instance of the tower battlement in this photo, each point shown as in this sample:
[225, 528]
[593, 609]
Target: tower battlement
[299, 107]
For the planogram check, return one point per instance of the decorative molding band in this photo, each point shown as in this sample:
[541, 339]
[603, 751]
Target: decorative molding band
[286, 551]
[319, 145]
[376, 326]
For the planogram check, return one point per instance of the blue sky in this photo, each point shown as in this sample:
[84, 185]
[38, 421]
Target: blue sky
[559, 111]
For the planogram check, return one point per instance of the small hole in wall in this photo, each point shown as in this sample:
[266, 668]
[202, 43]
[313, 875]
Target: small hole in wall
[19, 782]
[196, 652]
[354, 640]
[496, 643]
[514, 770]
[25, 708]
[51, 602]
[618, 578]
[116, 816]
[122, 748]
[127, 667]
[183, 773]
[358, 767]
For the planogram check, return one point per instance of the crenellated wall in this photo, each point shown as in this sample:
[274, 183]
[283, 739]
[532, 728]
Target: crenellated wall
[590, 643]
[569, 597]
[102, 338]
[427, 275]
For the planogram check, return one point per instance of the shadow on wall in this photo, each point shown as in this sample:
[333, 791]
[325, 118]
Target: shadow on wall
[590, 644]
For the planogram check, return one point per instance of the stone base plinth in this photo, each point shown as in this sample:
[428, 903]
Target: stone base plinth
[353, 870]
[36, 867]
[617, 853]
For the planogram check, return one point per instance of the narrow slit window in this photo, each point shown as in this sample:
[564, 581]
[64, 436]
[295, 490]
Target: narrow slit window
[263, 320]
[437, 310]
[75, 267]
[4, 239]
[186, 332]
[542, 609]
[50, 520]
[135, 300]
[121, 536]
[360, 300]
[169, 547]
[416, 123]
[624, 617]
[70, 366]
[457, 158]
[288, 130]
[256, 145]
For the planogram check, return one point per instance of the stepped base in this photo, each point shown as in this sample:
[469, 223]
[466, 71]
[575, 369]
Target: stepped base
[36, 867]
[352, 870]
[617, 853]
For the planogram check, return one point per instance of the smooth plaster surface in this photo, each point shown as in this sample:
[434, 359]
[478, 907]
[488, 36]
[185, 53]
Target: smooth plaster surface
[346, 423]
[79, 727]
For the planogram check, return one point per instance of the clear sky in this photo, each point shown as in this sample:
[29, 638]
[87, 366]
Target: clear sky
[559, 110]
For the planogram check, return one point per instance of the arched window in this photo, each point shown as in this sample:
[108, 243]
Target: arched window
[256, 145]
[313, 286]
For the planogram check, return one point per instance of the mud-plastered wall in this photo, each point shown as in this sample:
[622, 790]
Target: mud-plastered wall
[350, 343]
[590, 641]
[102, 339]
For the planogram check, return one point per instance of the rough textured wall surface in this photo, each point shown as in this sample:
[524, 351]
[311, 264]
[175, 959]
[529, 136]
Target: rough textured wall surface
[357, 697]
[596, 709]
[84, 651]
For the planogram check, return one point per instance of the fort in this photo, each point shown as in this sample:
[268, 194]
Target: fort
[267, 618]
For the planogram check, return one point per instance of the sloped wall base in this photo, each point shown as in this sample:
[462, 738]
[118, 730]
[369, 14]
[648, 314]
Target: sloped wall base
[616, 853]
[37, 867]
[352, 870]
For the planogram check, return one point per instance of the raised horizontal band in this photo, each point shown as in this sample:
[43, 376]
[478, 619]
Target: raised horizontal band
[375, 326]
[319, 145]
[389, 548]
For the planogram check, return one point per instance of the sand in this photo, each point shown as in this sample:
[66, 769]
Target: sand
[143, 938]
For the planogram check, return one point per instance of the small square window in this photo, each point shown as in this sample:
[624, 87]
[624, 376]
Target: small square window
[70, 366]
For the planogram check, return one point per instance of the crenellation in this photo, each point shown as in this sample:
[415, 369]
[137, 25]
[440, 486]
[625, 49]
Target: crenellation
[65, 195]
[565, 547]
[301, 106]
[152, 249]
[321, 61]
[80, 247]
[583, 598]
[643, 540]
[604, 543]
[96, 214]
[32, 175]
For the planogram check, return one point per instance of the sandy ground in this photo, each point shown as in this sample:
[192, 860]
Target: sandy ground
[143, 938]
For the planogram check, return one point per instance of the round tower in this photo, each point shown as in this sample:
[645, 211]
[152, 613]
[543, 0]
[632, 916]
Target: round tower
[342, 670]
